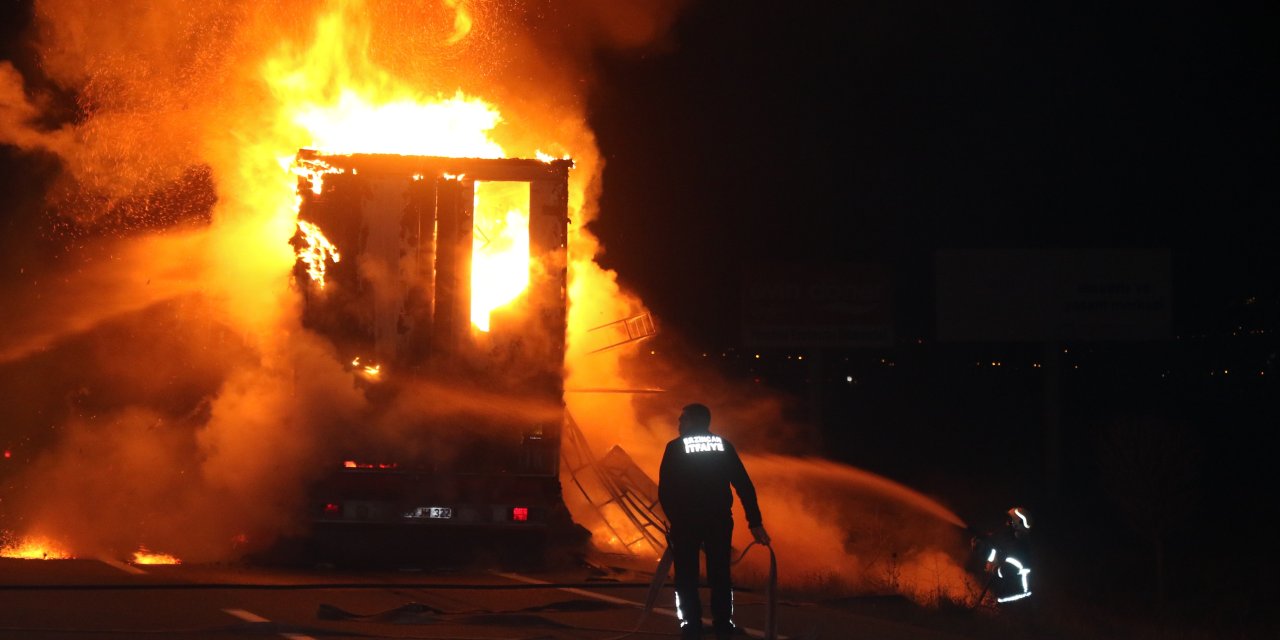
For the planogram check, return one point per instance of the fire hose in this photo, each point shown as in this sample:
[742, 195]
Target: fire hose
[664, 568]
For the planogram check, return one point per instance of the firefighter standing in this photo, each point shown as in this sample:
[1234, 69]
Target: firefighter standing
[1007, 557]
[693, 487]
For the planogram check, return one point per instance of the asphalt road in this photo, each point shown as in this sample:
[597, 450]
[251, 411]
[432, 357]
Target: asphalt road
[87, 598]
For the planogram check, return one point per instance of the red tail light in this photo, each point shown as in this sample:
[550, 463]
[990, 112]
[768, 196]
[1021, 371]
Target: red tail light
[520, 514]
[332, 509]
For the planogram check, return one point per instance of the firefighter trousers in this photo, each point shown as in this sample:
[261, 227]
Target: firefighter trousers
[687, 539]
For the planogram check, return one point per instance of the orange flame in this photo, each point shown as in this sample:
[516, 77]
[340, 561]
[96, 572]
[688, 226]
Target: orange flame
[374, 113]
[318, 249]
[500, 247]
[314, 170]
[145, 556]
[461, 20]
[35, 548]
[370, 370]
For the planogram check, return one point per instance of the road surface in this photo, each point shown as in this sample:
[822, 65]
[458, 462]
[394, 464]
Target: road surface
[105, 598]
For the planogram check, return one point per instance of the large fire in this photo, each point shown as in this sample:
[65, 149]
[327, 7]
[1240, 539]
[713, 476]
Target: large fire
[34, 547]
[377, 114]
[219, 379]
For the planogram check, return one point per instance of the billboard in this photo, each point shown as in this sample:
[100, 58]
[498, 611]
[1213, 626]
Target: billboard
[817, 305]
[1054, 295]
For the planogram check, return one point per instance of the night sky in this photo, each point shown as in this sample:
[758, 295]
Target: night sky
[883, 131]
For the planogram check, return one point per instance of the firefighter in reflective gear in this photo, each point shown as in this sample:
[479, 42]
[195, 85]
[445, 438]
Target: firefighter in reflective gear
[693, 487]
[1007, 555]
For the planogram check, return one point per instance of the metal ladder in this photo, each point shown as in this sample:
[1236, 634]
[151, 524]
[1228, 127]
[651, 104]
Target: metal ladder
[637, 518]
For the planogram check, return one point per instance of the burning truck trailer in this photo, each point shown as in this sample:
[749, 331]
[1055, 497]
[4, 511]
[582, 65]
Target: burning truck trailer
[443, 283]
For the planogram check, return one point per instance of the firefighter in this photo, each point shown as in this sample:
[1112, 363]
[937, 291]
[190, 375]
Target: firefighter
[693, 487]
[1008, 559]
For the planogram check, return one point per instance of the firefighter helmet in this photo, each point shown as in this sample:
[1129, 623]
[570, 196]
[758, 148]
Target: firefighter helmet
[1019, 519]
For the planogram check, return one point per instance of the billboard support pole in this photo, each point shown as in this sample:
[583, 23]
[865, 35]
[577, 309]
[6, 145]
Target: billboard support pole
[1052, 419]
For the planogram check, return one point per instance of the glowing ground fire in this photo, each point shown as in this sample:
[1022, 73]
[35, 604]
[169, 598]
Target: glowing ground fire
[35, 548]
[146, 556]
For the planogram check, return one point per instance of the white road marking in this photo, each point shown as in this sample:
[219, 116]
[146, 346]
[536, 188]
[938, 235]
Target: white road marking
[127, 568]
[754, 633]
[249, 616]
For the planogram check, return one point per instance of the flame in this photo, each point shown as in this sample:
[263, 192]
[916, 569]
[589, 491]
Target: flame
[461, 20]
[373, 113]
[318, 249]
[453, 127]
[500, 247]
[145, 556]
[547, 158]
[370, 370]
[314, 170]
[35, 548]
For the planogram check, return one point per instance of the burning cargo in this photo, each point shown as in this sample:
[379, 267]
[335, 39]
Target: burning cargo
[442, 281]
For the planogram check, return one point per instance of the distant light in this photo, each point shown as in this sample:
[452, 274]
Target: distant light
[799, 357]
[8, 454]
[520, 514]
[331, 509]
[757, 356]
[848, 378]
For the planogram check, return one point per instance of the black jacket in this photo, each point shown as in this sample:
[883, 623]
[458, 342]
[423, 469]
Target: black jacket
[693, 482]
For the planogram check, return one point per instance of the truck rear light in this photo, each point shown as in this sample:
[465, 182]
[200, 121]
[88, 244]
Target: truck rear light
[520, 514]
[354, 464]
[332, 509]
